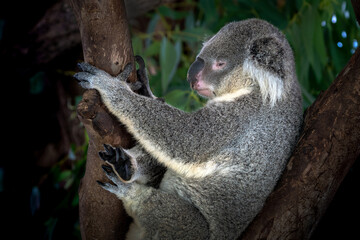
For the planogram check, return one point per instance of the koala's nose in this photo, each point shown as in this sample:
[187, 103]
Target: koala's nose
[194, 70]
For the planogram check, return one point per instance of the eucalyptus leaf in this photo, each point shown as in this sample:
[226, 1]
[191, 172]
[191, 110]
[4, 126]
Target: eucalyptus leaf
[210, 11]
[152, 49]
[64, 175]
[169, 61]
[137, 45]
[307, 34]
[190, 21]
[177, 98]
[37, 83]
[151, 28]
[171, 13]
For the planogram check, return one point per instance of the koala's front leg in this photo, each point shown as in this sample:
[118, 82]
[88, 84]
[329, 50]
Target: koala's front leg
[92, 77]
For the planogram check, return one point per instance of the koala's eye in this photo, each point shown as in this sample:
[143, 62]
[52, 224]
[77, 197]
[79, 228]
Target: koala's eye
[219, 65]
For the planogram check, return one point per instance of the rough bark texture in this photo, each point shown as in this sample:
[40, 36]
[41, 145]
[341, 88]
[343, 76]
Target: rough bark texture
[107, 45]
[328, 146]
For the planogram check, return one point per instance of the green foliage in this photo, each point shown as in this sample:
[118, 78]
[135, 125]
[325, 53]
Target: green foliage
[37, 83]
[65, 177]
[321, 44]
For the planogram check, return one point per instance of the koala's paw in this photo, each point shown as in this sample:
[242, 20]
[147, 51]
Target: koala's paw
[92, 77]
[119, 161]
[118, 187]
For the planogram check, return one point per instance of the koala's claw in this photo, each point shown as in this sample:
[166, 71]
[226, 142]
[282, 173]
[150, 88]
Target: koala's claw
[118, 160]
[92, 77]
[83, 79]
[100, 183]
[107, 169]
[86, 67]
[117, 187]
[124, 75]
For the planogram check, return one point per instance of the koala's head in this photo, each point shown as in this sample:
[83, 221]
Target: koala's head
[246, 54]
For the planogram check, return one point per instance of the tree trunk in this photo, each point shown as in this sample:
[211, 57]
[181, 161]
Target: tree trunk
[107, 45]
[328, 147]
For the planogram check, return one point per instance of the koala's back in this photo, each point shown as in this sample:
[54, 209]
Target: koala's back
[248, 167]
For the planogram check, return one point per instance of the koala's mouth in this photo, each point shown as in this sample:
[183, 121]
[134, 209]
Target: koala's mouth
[204, 89]
[204, 92]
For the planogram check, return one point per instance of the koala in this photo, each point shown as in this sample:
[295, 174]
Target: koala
[206, 174]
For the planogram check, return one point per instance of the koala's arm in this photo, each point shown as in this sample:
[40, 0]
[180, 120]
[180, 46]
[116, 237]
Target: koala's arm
[172, 136]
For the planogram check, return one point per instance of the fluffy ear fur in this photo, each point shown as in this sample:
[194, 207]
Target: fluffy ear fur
[265, 65]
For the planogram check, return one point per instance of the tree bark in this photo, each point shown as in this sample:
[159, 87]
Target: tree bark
[107, 45]
[328, 147]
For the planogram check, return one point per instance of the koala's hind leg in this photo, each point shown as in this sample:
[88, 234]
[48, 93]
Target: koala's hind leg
[133, 165]
[157, 214]
[119, 161]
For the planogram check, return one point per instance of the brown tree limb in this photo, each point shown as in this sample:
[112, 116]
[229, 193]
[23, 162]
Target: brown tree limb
[328, 147]
[107, 45]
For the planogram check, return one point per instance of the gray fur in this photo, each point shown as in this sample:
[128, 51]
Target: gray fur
[223, 160]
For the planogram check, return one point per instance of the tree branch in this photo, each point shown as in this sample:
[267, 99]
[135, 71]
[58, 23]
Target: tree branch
[107, 45]
[328, 147]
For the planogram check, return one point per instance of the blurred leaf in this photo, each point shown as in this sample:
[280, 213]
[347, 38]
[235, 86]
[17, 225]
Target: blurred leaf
[69, 182]
[34, 200]
[190, 21]
[50, 227]
[71, 154]
[151, 28]
[75, 201]
[268, 10]
[335, 56]
[308, 98]
[152, 49]
[302, 63]
[172, 14]
[37, 83]
[77, 100]
[194, 36]
[169, 60]
[307, 27]
[185, 100]
[177, 98]
[319, 41]
[64, 175]
[155, 83]
[137, 45]
[210, 13]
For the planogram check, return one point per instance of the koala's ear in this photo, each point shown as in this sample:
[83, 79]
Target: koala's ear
[266, 65]
[268, 53]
